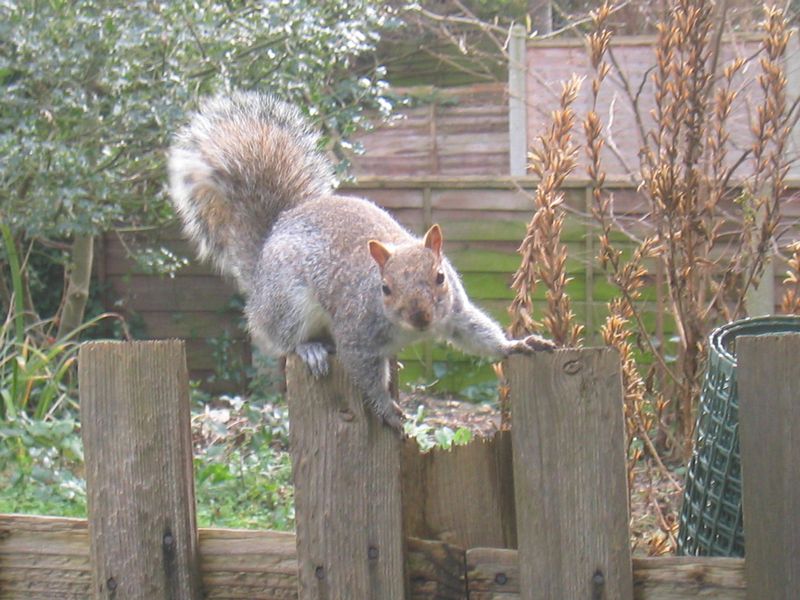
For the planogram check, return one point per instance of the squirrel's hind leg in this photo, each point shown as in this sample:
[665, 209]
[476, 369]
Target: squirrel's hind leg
[370, 374]
[284, 317]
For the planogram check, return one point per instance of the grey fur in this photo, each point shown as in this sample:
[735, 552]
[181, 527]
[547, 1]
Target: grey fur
[239, 163]
[268, 216]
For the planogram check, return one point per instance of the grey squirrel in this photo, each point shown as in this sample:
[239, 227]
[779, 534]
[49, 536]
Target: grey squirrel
[320, 272]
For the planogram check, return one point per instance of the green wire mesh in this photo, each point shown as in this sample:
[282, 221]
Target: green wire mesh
[711, 516]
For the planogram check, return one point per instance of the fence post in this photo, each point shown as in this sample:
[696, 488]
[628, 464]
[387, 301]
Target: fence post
[346, 468]
[570, 480]
[769, 437]
[517, 99]
[137, 441]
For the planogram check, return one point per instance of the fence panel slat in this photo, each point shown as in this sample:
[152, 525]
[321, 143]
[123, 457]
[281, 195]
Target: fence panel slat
[769, 430]
[346, 469]
[481, 513]
[569, 475]
[493, 574]
[137, 440]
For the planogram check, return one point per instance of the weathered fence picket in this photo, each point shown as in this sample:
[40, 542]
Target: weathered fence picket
[569, 475]
[135, 423]
[346, 467]
[769, 430]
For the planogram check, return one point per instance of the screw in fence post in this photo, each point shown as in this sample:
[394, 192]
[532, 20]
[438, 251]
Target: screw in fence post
[598, 584]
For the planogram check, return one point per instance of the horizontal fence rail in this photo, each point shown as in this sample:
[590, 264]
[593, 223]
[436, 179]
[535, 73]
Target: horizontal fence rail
[47, 558]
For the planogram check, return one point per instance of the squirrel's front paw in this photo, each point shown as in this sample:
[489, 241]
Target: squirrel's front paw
[533, 343]
[315, 355]
[537, 342]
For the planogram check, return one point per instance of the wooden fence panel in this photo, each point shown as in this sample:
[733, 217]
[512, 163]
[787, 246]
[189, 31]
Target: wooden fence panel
[769, 429]
[481, 513]
[551, 62]
[44, 557]
[47, 558]
[493, 574]
[346, 467]
[135, 424]
[456, 131]
[569, 475]
[483, 219]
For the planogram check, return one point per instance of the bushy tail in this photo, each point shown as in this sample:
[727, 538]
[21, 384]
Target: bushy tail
[241, 161]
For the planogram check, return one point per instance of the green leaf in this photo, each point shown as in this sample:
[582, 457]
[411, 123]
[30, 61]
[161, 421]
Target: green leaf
[462, 437]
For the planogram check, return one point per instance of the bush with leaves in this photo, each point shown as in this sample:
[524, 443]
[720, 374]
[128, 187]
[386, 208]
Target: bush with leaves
[92, 91]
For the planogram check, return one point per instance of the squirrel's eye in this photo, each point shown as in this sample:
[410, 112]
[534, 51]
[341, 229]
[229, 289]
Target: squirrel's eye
[439, 278]
[386, 290]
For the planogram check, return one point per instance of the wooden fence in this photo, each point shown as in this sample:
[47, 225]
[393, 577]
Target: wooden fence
[484, 221]
[557, 519]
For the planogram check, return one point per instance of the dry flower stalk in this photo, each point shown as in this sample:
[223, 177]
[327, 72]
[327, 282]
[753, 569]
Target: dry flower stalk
[790, 303]
[631, 276]
[686, 174]
[674, 181]
[709, 243]
[771, 131]
[544, 257]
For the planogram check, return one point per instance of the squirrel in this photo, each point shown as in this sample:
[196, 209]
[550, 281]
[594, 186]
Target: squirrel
[320, 272]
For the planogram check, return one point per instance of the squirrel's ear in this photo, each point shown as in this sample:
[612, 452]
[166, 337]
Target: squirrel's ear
[379, 252]
[433, 239]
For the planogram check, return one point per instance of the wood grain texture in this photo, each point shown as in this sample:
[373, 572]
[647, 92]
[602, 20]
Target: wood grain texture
[463, 496]
[44, 557]
[346, 468]
[569, 475]
[435, 570]
[493, 574]
[239, 565]
[48, 558]
[769, 430]
[137, 440]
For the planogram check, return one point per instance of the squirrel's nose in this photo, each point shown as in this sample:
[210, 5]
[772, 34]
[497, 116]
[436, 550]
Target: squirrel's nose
[420, 319]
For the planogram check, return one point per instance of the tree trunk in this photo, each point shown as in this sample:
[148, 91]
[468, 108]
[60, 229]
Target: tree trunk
[80, 275]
